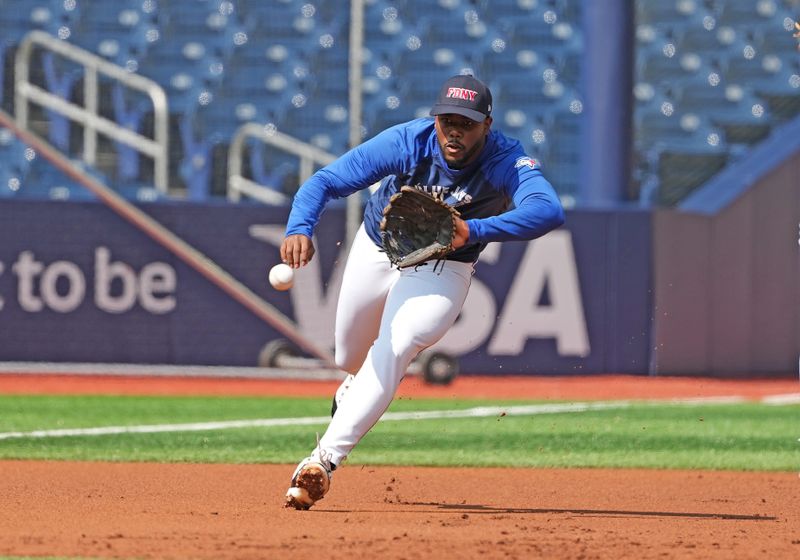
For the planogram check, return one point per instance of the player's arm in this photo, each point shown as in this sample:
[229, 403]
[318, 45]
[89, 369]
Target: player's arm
[355, 170]
[537, 210]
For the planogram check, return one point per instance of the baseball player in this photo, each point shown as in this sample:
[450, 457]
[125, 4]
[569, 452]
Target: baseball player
[385, 315]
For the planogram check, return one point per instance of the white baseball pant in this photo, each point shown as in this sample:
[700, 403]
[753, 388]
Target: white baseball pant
[384, 318]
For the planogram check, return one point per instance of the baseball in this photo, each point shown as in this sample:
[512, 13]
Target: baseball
[281, 276]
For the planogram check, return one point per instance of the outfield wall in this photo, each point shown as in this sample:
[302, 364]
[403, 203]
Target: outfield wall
[80, 284]
[727, 283]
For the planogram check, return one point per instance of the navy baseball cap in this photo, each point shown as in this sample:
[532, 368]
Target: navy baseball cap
[466, 96]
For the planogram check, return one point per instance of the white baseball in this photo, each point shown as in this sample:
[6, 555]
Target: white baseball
[281, 276]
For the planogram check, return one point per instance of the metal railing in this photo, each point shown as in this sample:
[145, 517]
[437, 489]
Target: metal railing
[310, 156]
[88, 115]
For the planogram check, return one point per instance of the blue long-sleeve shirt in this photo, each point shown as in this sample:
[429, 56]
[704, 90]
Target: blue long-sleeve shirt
[502, 195]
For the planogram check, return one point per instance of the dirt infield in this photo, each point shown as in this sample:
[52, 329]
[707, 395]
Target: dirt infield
[233, 511]
[123, 510]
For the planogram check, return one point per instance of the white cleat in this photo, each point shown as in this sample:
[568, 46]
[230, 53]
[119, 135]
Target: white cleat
[310, 482]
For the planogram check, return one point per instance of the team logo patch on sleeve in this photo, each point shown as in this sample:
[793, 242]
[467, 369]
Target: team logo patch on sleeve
[526, 161]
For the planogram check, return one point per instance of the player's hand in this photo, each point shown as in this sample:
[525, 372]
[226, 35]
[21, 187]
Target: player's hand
[297, 250]
[462, 234]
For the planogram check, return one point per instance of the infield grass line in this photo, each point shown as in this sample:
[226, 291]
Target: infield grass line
[475, 412]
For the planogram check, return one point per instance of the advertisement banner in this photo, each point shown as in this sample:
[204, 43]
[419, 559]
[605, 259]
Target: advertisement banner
[80, 284]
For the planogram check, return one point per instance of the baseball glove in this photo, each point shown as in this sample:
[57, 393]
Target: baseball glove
[417, 227]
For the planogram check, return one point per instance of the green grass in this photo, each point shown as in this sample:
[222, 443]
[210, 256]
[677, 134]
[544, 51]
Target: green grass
[700, 436]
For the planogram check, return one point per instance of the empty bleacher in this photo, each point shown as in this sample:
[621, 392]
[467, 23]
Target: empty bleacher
[712, 77]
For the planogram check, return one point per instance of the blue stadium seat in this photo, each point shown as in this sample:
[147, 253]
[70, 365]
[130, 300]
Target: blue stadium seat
[514, 122]
[167, 59]
[388, 108]
[664, 12]
[431, 66]
[687, 131]
[764, 73]
[14, 164]
[196, 165]
[529, 91]
[385, 30]
[735, 13]
[728, 106]
[665, 66]
[279, 19]
[564, 151]
[272, 168]
[129, 111]
[505, 62]
[61, 76]
[775, 36]
[320, 123]
[698, 39]
[510, 9]
[208, 24]
[448, 29]
[116, 31]
[540, 33]
[20, 16]
[665, 136]
[45, 181]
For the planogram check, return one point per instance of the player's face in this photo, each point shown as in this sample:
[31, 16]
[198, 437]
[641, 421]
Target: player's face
[461, 139]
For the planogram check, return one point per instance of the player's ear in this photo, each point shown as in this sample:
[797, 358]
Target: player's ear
[488, 123]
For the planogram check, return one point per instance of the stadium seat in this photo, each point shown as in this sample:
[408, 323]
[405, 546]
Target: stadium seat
[664, 138]
[543, 31]
[744, 117]
[320, 123]
[509, 9]
[286, 62]
[45, 181]
[129, 112]
[279, 19]
[665, 12]
[697, 39]
[205, 23]
[431, 66]
[665, 67]
[60, 77]
[388, 109]
[116, 32]
[272, 168]
[193, 65]
[764, 73]
[451, 30]
[563, 154]
[655, 128]
[529, 91]
[17, 18]
[14, 164]
[196, 165]
[735, 13]
[505, 62]
[386, 30]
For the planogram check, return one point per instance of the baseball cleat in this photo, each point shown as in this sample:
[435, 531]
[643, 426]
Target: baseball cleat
[310, 482]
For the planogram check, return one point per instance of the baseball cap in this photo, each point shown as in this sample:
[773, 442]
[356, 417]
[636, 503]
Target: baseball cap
[464, 95]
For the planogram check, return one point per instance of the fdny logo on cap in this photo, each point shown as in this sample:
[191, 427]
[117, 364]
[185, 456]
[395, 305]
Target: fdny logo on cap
[526, 161]
[461, 93]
